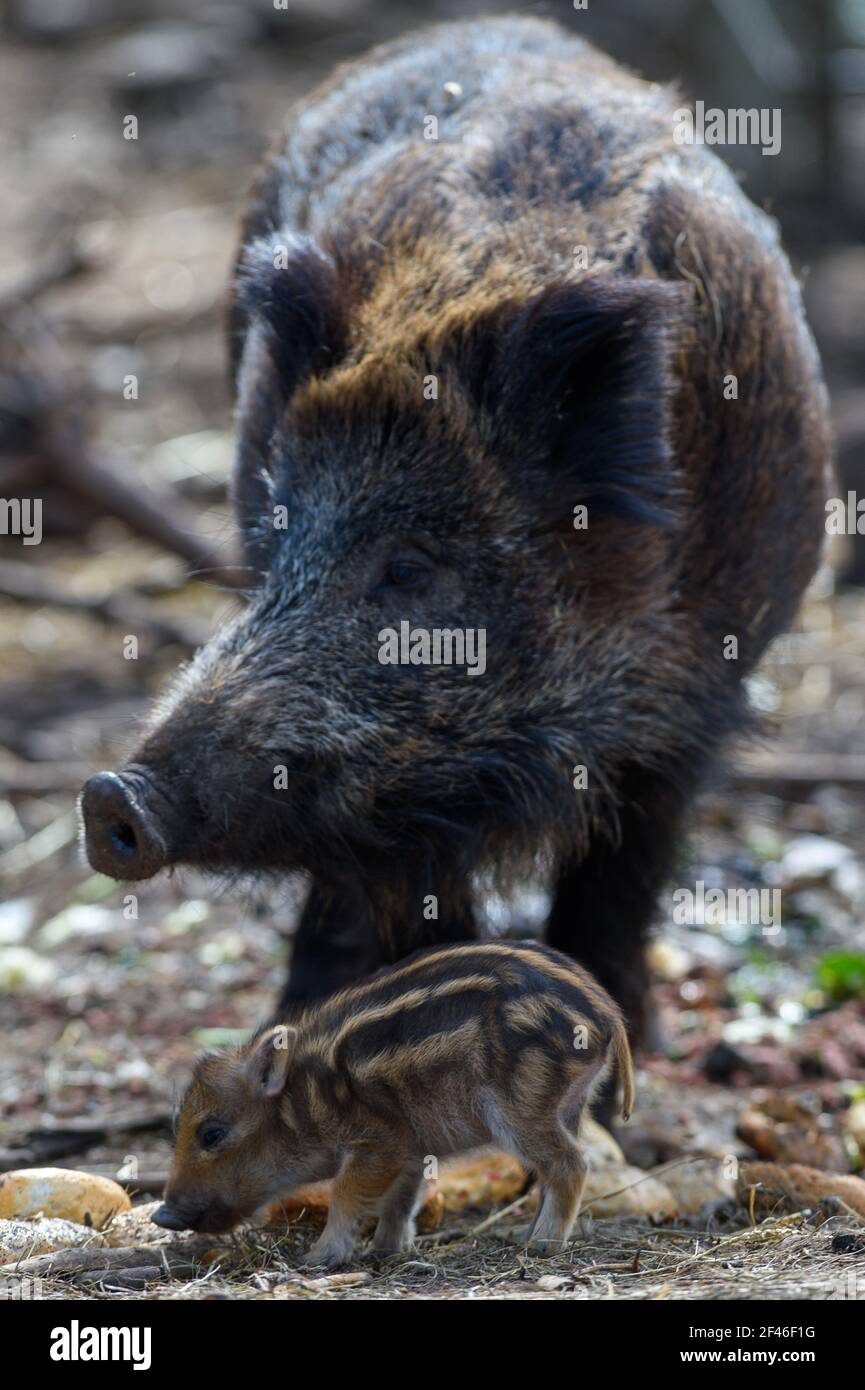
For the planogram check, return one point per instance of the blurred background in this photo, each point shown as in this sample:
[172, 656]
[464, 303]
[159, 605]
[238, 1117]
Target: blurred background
[115, 410]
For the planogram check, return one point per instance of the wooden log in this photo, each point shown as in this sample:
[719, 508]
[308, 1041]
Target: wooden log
[79, 1259]
[800, 772]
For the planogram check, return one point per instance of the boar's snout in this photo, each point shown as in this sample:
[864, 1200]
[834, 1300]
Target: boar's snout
[121, 834]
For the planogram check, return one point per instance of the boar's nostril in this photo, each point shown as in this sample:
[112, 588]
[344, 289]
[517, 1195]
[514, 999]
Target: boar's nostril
[121, 837]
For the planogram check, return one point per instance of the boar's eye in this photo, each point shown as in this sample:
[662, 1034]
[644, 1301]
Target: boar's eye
[404, 574]
[211, 1134]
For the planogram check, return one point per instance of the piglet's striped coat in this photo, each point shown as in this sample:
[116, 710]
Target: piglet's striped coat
[454, 1047]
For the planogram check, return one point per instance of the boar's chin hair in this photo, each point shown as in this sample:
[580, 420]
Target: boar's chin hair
[506, 799]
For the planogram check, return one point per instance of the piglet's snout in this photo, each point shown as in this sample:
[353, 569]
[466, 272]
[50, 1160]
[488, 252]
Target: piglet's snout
[180, 1214]
[169, 1218]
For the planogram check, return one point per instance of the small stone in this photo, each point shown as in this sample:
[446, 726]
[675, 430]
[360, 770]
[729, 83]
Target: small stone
[620, 1190]
[20, 1240]
[81, 919]
[854, 1125]
[847, 1243]
[22, 970]
[783, 1130]
[848, 881]
[85, 1198]
[697, 1184]
[722, 1061]
[811, 859]
[668, 961]
[16, 919]
[780, 1188]
[755, 1030]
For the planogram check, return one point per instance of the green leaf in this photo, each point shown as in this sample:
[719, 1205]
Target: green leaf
[842, 975]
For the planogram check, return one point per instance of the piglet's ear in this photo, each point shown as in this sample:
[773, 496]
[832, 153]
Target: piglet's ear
[268, 1062]
[576, 385]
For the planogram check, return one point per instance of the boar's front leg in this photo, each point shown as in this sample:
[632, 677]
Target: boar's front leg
[335, 944]
[347, 932]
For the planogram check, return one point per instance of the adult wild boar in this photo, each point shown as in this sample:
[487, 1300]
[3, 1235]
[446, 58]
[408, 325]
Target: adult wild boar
[487, 314]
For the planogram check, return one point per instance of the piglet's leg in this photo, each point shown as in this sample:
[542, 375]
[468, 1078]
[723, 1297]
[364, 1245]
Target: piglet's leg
[355, 1196]
[561, 1178]
[395, 1230]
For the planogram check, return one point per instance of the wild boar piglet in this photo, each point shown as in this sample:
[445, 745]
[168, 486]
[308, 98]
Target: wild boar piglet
[451, 1048]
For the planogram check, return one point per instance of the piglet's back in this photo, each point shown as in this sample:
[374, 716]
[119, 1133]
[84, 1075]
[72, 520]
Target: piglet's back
[480, 1011]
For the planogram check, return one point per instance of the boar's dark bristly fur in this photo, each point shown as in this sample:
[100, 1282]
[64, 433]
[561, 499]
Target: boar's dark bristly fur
[430, 380]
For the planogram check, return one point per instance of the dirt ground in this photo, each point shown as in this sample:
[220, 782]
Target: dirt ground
[107, 995]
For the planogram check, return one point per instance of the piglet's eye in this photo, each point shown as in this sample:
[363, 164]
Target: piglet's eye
[211, 1135]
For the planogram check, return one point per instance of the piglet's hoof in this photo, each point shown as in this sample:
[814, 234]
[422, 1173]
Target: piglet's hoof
[544, 1249]
[324, 1257]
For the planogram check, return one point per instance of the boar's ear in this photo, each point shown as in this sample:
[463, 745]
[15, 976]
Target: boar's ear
[288, 286]
[578, 378]
[288, 321]
[268, 1061]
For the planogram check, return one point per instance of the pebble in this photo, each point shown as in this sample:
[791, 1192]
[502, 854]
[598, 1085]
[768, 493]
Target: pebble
[85, 1198]
[811, 859]
[19, 1240]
